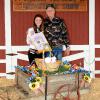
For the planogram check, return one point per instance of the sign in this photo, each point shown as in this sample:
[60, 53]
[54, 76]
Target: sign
[40, 42]
[39, 5]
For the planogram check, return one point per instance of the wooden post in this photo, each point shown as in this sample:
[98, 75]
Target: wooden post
[46, 87]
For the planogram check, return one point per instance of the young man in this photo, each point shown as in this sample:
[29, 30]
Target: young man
[56, 33]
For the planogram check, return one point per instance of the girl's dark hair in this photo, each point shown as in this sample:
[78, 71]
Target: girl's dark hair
[35, 26]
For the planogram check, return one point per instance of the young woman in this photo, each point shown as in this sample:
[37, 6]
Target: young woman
[37, 27]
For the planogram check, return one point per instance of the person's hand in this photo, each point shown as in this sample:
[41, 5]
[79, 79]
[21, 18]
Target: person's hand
[66, 52]
[32, 50]
[38, 51]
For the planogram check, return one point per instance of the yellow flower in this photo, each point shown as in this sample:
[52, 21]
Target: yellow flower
[67, 66]
[34, 85]
[38, 79]
[37, 69]
[87, 78]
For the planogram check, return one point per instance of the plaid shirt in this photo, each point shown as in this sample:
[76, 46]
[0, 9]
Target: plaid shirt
[56, 33]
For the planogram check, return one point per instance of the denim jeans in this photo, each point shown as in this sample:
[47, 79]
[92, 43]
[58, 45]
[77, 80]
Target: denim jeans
[57, 52]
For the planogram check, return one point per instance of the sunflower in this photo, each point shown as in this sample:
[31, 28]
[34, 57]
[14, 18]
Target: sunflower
[87, 78]
[39, 80]
[34, 85]
[66, 66]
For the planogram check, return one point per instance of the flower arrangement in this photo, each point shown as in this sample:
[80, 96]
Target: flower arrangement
[35, 79]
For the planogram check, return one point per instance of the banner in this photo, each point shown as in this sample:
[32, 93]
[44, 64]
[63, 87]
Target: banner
[39, 5]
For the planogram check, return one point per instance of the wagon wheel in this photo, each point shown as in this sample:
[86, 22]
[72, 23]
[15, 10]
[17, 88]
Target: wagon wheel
[64, 93]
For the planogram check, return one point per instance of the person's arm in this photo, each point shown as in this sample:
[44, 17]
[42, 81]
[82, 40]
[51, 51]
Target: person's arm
[66, 51]
[28, 40]
[65, 39]
[64, 34]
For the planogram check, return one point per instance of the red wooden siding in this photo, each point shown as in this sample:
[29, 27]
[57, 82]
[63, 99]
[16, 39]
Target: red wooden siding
[2, 54]
[97, 22]
[2, 68]
[97, 75]
[97, 52]
[77, 23]
[75, 52]
[79, 62]
[22, 62]
[2, 35]
[97, 34]
[97, 65]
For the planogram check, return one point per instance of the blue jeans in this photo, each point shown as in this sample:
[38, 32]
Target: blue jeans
[57, 52]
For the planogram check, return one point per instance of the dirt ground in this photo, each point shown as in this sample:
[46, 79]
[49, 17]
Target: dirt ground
[94, 93]
[9, 91]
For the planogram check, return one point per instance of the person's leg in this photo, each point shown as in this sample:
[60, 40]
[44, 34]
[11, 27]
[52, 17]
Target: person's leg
[47, 54]
[57, 52]
[59, 55]
[31, 57]
[39, 55]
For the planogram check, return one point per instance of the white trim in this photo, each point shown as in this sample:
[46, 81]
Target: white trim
[2, 61]
[7, 23]
[97, 72]
[73, 47]
[73, 57]
[8, 35]
[86, 60]
[20, 48]
[97, 46]
[97, 59]
[92, 35]
[79, 47]
[2, 47]
[2, 74]
[22, 56]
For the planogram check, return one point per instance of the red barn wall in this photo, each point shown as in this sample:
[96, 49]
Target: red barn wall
[77, 23]
[97, 34]
[2, 35]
